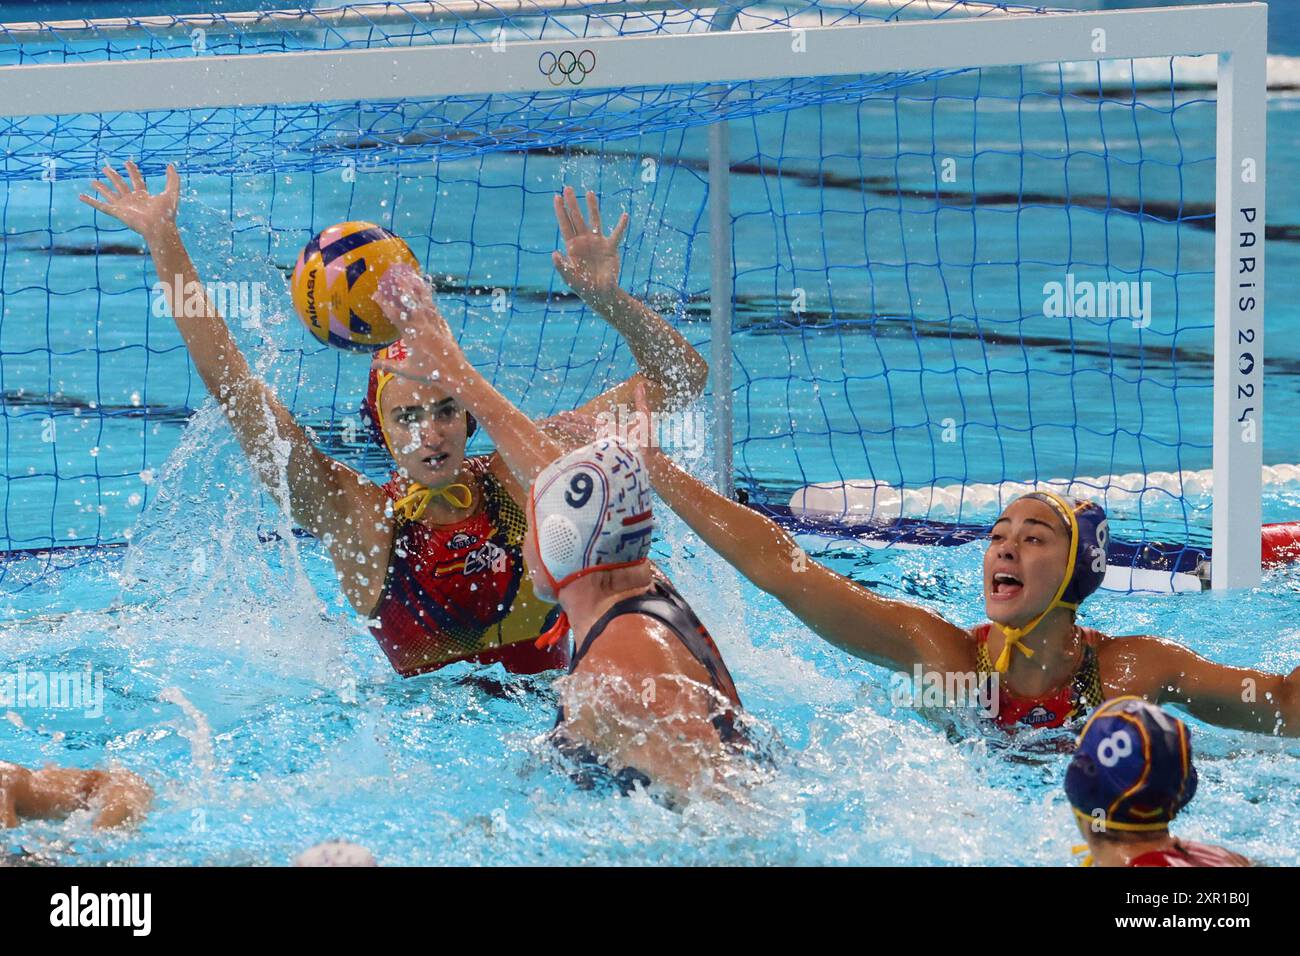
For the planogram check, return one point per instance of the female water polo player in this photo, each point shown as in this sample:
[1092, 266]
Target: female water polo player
[114, 796]
[1036, 665]
[432, 558]
[649, 696]
[1131, 774]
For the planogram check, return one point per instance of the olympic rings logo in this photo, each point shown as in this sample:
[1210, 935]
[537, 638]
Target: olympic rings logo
[567, 66]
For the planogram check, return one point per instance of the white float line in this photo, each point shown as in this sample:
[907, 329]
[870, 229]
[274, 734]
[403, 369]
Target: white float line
[864, 499]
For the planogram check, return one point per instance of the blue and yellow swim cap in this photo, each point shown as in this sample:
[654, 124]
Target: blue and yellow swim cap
[1132, 769]
[1086, 522]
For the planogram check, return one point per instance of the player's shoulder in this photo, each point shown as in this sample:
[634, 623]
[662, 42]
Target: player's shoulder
[491, 471]
[1128, 645]
[635, 642]
[1094, 637]
[1139, 663]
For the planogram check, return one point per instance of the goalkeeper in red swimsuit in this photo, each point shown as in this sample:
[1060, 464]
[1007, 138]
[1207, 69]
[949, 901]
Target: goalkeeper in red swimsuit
[433, 557]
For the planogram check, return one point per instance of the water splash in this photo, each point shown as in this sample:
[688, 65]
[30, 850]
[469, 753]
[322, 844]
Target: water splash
[199, 734]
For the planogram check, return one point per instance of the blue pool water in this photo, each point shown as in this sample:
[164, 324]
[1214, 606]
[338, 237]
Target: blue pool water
[266, 717]
[293, 730]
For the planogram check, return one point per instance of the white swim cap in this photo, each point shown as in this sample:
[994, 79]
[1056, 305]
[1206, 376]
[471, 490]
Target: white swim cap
[335, 853]
[590, 510]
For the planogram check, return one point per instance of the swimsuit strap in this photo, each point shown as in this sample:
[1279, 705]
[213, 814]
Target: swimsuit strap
[663, 603]
[1086, 687]
[507, 517]
[1086, 693]
[982, 663]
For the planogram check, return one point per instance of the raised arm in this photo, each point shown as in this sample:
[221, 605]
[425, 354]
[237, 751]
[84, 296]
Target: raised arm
[324, 494]
[890, 633]
[674, 373]
[1237, 697]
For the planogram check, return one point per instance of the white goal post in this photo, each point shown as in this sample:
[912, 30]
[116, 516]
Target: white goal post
[1236, 33]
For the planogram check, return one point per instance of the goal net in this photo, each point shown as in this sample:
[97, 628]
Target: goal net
[936, 252]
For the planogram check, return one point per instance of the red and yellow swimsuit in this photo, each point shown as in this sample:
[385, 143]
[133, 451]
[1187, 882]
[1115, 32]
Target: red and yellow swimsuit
[461, 591]
[1069, 702]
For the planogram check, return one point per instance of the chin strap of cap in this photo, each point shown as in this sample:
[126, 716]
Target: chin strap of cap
[554, 634]
[1015, 635]
[412, 504]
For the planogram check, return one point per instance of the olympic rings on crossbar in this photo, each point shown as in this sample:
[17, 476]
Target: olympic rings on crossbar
[567, 66]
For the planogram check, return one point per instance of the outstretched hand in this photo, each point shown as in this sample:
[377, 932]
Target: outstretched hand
[431, 352]
[591, 261]
[138, 209]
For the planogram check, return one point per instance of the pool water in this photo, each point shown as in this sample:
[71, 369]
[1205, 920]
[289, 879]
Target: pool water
[277, 723]
[267, 718]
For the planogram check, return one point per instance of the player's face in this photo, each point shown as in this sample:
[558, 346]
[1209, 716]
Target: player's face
[1024, 563]
[427, 430]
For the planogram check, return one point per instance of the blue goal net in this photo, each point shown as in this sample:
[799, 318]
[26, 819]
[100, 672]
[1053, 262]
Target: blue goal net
[949, 285]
